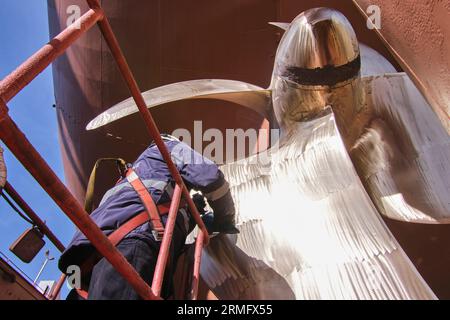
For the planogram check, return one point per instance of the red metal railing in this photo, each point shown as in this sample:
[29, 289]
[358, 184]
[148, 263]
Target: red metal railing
[19, 145]
[33, 216]
[15, 196]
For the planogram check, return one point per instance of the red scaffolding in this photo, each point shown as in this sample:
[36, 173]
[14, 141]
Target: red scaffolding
[24, 151]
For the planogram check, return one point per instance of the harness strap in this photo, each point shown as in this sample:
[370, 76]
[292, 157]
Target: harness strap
[127, 227]
[152, 214]
[149, 204]
[82, 293]
[118, 236]
[90, 191]
[137, 221]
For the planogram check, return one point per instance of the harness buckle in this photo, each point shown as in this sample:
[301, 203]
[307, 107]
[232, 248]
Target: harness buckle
[157, 235]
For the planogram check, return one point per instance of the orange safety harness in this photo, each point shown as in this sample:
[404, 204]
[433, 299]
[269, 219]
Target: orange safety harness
[152, 214]
[149, 204]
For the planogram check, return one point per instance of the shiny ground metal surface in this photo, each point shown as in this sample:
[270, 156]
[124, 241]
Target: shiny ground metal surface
[317, 64]
[403, 157]
[373, 63]
[403, 154]
[166, 41]
[417, 35]
[308, 229]
[317, 38]
[248, 95]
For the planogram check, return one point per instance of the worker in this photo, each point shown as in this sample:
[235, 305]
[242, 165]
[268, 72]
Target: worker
[122, 205]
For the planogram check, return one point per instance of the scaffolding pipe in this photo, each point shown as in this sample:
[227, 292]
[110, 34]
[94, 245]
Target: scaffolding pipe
[37, 63]
[33, 216]
[19, 145]
[3, 170]
[124, 68]
[57, 289]
[164, 249]
[197, 262]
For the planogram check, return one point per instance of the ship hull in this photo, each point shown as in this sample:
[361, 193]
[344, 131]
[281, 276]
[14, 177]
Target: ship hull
[172, 41]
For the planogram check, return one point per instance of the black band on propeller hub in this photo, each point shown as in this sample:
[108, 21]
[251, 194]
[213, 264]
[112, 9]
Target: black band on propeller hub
[325, 76]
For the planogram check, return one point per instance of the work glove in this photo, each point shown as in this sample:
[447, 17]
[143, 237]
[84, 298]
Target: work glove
[208, 220]
[200, 203]
[226, 226]
[213, 226]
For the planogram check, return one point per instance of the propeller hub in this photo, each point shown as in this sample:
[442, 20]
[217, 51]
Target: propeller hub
[319, 48]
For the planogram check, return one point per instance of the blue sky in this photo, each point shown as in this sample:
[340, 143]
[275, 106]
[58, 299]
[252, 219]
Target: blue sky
[24, 29]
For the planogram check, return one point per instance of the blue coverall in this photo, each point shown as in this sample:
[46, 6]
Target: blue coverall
[121, 203]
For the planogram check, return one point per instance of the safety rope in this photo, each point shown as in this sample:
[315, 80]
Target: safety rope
[3, 176]
[13, 206]
[90, 191]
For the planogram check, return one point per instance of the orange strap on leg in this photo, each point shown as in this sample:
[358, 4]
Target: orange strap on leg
[115, 238]
[149, 204]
